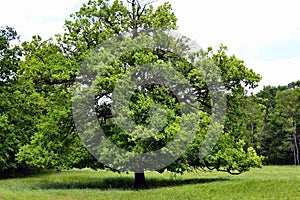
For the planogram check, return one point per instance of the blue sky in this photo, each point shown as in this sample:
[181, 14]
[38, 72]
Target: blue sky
[263, 33]
[285, 49]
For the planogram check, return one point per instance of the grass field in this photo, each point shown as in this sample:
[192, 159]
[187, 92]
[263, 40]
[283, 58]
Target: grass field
[270, 182]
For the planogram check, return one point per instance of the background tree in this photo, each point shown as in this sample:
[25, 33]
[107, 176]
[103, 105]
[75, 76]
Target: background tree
[287, 117]
[48, 76]
[12, 134]
[253, 116]
[276, 144]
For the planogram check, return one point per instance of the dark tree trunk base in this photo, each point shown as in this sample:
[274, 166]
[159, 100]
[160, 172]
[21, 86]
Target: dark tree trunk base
[140, 181]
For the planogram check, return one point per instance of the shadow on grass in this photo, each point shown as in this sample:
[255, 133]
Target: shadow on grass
[23, 173]
[123, 183]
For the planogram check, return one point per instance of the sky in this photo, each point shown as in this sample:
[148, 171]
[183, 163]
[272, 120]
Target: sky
[263, 33]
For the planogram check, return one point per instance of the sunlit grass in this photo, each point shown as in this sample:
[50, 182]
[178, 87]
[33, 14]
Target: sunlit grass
[272, 182]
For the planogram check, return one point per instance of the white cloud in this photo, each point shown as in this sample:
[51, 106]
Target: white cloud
[244, 25]
[34, 17]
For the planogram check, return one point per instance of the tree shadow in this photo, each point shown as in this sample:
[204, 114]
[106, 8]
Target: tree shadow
[23, 173]
[121, 183]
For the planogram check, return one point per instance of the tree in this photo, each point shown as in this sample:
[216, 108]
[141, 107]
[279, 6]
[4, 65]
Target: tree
[51, 67]
[233, 153]
[276, 142]
[11, 134]
[250, 118]
[17, 112]
[9, 55]
[287, 114]
[48, 75]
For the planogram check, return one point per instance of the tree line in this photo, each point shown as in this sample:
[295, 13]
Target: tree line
[280, 133]
[37, 129]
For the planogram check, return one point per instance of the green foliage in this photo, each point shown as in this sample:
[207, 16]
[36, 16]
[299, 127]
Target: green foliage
[286, 116]
[9, 55]
[13, 132]
[236, 77]
[230, 156]
[281, 131]
[252, 115]
[234, 151]
[48, 76]
[98, 20]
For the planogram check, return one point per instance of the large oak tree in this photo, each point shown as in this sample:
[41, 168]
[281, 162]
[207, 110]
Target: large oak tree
[50, 68]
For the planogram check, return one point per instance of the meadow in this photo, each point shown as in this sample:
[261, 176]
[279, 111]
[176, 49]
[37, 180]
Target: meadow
[269, 182]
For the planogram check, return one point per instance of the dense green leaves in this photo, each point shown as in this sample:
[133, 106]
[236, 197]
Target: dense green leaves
[281, 130]
[9, 55]
[99, 20]
[48, 76]
[286, 119]
[11, 134]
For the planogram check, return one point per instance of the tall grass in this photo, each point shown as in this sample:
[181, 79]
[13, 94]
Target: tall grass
[271, 182]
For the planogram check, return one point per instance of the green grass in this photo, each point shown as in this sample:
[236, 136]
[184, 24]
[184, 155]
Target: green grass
[270, 182]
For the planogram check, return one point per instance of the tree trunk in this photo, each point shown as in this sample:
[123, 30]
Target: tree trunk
[252, 133]
[296, 149]
[140, 181]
